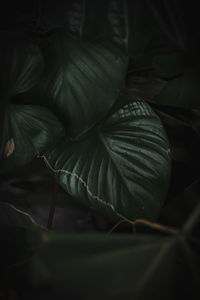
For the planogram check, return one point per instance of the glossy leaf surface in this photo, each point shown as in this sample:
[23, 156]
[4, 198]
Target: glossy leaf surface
[121, 167]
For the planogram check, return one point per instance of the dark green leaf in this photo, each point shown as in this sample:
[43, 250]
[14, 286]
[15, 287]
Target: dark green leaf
[87, 20]
[151, 32]
[181, 92]
[119, 23]
[121, 167]
[21, 65]
[32, 129]
[81, 81]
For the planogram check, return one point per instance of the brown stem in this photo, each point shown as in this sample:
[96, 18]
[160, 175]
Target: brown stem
[157, 226]
[52, 206]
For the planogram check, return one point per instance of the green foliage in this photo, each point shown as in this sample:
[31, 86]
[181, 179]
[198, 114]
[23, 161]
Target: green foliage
[63, 100]
[81, 82]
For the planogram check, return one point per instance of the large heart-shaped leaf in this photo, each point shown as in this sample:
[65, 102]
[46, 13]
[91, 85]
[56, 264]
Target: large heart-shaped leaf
[121, 167]
[81, 81]
[29, 130]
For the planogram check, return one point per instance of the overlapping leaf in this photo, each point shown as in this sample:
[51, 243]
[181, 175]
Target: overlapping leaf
[81, 82]
[31, 129]
[21, 66]
[87, 20]
[84, 74]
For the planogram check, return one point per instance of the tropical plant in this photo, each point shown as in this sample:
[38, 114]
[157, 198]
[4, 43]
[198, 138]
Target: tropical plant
[65, 101]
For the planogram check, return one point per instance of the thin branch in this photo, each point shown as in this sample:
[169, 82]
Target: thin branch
[115, 226]
[27, 215]
[157, 226]
[23, 213]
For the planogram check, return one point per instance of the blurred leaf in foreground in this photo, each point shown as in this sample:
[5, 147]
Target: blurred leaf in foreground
[103, 266]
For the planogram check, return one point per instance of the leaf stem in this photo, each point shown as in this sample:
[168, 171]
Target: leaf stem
[116, 225]
[157, 226]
